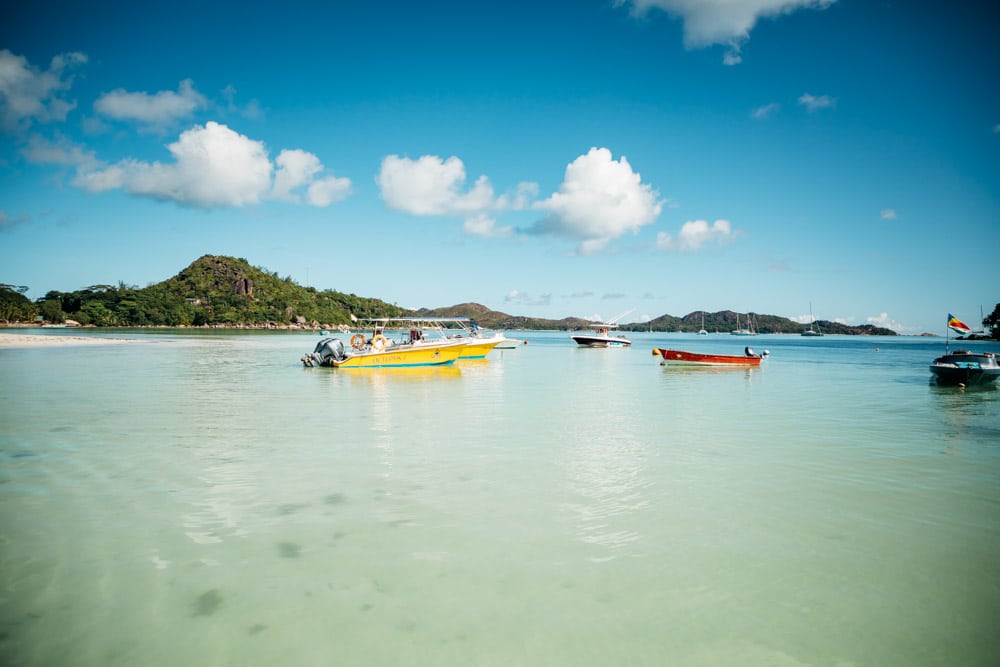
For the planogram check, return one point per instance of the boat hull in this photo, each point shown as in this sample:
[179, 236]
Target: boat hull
[478, 348]
[964, 368]
[402, 357]
[682, 358]
[601, 341]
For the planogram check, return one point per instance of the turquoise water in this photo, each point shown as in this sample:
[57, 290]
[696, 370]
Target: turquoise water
[206, 500]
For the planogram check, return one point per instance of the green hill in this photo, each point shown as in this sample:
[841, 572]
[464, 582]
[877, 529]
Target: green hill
[725, 321]
[214, 290]
[228, 291]
[493, 319]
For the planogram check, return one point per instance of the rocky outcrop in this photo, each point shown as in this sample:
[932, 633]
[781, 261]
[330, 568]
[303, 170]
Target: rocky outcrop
[244, 287]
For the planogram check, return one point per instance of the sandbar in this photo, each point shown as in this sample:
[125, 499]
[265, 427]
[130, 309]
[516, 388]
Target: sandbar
[35, 340]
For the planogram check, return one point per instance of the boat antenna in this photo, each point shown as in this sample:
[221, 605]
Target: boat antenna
[614, 320]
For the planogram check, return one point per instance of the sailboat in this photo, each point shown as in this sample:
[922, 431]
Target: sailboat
[743, 332]
[702, 332]
[811, 331]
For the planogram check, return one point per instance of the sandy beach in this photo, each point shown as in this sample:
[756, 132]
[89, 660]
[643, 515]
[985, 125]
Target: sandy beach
[8, 340]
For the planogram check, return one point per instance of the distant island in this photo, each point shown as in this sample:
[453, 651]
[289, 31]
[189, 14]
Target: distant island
[220, 291]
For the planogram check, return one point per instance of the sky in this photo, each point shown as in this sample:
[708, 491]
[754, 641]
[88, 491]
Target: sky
[544, 159]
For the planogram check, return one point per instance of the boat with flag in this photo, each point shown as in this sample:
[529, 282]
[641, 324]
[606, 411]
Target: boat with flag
[684, 358]
[964, 368]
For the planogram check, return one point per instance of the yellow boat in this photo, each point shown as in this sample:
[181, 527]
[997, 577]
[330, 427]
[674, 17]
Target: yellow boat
[410, 347]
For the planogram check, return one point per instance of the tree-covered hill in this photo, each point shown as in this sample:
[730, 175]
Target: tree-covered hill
[494, 319]
[725, 321]
[14, 306]
[213, 290]
[228, 291]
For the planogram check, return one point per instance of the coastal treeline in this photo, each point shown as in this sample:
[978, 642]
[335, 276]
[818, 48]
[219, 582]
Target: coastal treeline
[213, 290]
[228, 291]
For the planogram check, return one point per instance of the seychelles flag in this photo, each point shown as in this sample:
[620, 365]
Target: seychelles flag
[957, 325]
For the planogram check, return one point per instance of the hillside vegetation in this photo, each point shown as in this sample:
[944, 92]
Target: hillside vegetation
[213, 290]
[228, 291]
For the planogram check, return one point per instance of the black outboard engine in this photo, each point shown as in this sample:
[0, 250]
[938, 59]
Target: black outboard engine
[326, 350]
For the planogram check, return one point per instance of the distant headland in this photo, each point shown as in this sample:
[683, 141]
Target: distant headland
[228, 292]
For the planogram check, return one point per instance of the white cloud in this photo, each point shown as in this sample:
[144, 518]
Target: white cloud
[765, 111]
[727, 22]
[326, 191]
[888, 214]
[295, 168]
[29, 95]
[524, 196]
[694, 234]
[60, 151]
[157, 110]
[523, 299]
[599, 200]
[250, 110]
[298, 168]
[431, 186]
[215, 166]
[814, 103]
[883, 320]
[485, 226]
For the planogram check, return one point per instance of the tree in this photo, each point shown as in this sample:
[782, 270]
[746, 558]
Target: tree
[14, 306]
[96, 313]
[993, 322]
[51, 311]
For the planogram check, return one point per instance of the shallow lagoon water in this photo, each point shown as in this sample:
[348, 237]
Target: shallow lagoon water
[204, 499]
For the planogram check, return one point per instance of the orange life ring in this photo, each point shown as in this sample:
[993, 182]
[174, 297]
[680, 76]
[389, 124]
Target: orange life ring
[357, 340]
[378, 341]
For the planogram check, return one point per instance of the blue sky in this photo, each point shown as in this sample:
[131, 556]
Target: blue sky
[544, 159]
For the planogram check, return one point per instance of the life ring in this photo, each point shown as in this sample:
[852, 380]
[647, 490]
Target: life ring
[378, 341]
[357, 340]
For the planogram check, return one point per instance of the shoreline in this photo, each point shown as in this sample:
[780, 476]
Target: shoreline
[22, 340]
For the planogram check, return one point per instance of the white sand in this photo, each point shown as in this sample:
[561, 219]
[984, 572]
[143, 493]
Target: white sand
[35, 340]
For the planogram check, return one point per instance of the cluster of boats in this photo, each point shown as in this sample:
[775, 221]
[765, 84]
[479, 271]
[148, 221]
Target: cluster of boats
[395, 342]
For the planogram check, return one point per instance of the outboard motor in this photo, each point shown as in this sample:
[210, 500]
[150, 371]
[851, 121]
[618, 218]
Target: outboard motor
[326, 350]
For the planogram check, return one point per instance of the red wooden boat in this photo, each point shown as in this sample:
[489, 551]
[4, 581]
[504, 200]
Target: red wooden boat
[681, 358]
